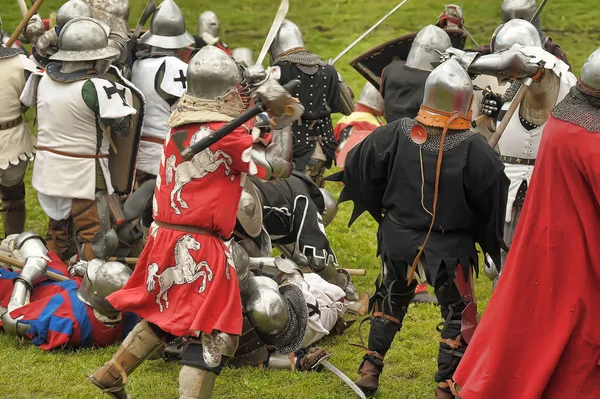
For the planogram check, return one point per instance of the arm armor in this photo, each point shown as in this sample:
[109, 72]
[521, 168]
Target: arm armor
[34, 251]
[507, 64]
[48, 42]
[283, 109]
[34, 30]
[276, 157]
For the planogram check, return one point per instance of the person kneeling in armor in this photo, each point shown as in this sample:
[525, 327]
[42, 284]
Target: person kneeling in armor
[75, 108]
[83, 317]
[187, 239]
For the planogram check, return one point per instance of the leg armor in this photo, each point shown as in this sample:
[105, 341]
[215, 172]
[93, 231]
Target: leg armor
[275, 158]
[13, 208]
[459, 310]
[315, 168]
[510, 228]
[87, 221]
[33, 250]
[302, 360]
[139, 344]
[59, 238]
[195, 383]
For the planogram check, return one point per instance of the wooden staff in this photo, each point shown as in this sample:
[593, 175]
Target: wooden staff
[511, 110]
[19, 264]
[24, 23]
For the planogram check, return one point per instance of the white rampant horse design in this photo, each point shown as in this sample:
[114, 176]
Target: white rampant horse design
[185, 271]
[199, 166]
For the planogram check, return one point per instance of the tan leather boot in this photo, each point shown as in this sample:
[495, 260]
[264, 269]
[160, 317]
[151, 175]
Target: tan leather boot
[369, 377]
[137, 346]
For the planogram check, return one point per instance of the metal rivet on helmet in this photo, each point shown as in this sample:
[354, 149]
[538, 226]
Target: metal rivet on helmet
[167, 28]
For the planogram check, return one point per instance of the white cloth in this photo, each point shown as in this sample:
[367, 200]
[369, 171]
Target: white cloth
[522, 143]
[143, 76]
[17, 142]
[67, 124]
[57, 208]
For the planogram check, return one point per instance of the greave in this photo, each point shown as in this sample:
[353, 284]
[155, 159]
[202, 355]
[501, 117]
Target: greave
[86, 220]
[196, 383]
[137, 347]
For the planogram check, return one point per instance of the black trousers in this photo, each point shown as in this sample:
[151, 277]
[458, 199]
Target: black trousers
[390, 306]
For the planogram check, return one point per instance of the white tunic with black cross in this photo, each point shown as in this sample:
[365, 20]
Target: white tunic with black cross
[145, 76]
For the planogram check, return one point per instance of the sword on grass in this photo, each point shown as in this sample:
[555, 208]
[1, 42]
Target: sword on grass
[325, 363]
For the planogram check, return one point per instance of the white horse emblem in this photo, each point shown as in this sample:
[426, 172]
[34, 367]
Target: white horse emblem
[185, 271]
[199, 166]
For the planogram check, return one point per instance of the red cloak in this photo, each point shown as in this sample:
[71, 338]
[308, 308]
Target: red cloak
[540, 335]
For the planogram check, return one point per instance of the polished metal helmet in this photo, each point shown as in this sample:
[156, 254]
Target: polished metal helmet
[114, 13]
[208, 23]
[452, 17]
[267, 309]
[167, 28]
[428, 46]
[212, 73]
[518, 9]
[515, 31]
[72, 9]
[288, 37]
[250, 213]
[243, 56]
[370, 97]
[83, 39]
[590, 72]
[102, 279]
[449, 88]
[331, 207]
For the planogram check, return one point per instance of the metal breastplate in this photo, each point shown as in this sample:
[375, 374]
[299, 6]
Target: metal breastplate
[580, 109]
[434, 135]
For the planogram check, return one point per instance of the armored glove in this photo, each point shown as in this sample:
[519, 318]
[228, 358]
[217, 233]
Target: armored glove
[283, 109]
[78, 269]
[490, 269]
[34, 30]
[491, 103]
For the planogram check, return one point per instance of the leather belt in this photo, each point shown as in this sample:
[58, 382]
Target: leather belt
[70, 154]
[517, 160]
[187, 229]
[156, 140]
[11, 124]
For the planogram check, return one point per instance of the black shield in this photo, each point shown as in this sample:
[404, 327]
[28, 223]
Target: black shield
[371, 64]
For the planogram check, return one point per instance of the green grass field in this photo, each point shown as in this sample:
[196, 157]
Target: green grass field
[328, 27]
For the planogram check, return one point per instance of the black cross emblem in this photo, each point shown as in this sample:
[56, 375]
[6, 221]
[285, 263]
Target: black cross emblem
[181, 79]
[114, 90]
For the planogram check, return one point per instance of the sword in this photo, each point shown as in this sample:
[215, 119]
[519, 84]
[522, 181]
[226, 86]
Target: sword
[371, 29]
[464, 28]
[539, 10]
[325, 363]
[279, 17]
[146, 14]
[23, 7]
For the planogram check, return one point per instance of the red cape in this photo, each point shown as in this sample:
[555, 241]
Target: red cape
[540, 335]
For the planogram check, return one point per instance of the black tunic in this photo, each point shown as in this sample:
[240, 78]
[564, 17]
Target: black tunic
[382, 175]
[292, 211]
[319, 93]
[402, 89]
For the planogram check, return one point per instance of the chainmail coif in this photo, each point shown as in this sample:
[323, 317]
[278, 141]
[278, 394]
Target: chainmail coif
[580, 109]
[302, 57]
[434, 136]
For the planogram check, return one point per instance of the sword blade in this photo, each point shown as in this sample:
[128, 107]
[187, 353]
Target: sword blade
[539, 10]
[344, 378]
[279, 17]
[367, 32]
[470, 36]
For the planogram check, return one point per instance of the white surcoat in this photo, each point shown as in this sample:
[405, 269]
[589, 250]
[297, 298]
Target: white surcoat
[16, 143]
[143, 76]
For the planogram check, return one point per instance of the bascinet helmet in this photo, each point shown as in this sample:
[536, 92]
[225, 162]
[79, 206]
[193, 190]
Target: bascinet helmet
[83, 39]
[589, 79]
[515, 31]
[167, 29]
[266, 308]
[243, 56]
[102, 279]
[429, 44]
[449, 89]
[212, 73]
[208, 23]
[370, 97]
[72, 9]
[518, 9]
[288, 37]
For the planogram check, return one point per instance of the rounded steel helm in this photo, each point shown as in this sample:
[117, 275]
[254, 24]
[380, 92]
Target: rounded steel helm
[515, 31]
[212, 73]
[102, 279]
[449, 89]
[72, 9]
[288, 37]
[208, 23]
[370, 97]
[518, 9]
[267, 309]
[429, 44]
[243, 56]
[83, 39]
[331, 208]
[167, 28]
[590, 72]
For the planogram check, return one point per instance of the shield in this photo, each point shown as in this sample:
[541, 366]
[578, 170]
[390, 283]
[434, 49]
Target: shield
[122, 164]
[371, 64]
